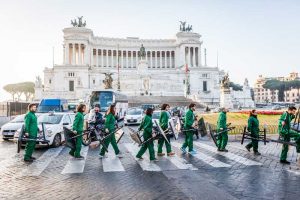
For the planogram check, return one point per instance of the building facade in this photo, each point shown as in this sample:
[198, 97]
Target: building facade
[262, 95]
[170, 67]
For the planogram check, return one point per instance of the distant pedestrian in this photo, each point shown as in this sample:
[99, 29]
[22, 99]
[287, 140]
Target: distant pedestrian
[253, 128]
[222, 127]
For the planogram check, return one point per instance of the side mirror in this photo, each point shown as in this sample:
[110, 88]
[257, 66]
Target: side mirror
[65, 124]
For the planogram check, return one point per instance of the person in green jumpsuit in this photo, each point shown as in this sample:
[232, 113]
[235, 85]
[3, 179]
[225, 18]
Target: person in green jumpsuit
[147, 126]
[222, 139]
[253, 128]
[188, 125]
[110, 127]
[285, 131]
[78, 130]
[31, 131]
[164, 123]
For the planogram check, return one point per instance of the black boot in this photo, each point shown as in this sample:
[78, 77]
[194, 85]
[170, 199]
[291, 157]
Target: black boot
[248, 148]
[285, 162]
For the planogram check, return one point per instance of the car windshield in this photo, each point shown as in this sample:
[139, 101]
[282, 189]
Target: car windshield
[48, 108]
[18, 119]
[50, 119]
[134, 112]
[156, 115]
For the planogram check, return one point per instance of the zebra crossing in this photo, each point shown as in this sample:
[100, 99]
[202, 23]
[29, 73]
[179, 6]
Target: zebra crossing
[207, 155]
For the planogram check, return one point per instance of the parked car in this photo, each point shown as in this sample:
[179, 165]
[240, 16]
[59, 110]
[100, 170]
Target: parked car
[276, 107]
[156, 116]
[134, 116]
[53, 123]
[8, 130]
[153, 106]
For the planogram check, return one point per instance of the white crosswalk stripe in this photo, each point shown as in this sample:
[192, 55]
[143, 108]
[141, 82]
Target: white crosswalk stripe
[180, 163]
[228, 155]
[36, 168]
[73, 165]
[205, 158]
[145, 164]
[112, 163]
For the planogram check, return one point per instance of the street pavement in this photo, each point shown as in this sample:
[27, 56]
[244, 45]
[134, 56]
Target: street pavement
[209, 174]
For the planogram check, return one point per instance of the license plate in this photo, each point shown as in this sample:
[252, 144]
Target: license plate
[10, 133]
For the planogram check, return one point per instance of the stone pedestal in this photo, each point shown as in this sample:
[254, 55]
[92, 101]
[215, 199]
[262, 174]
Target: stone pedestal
[225, 98]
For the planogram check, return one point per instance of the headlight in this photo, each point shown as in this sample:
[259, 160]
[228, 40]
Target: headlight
[49, 133]
[17, 133]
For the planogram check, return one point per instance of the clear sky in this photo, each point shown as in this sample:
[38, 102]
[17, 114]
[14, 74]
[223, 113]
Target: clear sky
[252, 37]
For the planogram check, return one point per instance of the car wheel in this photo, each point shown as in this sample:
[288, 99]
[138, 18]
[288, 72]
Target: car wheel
[56, 141]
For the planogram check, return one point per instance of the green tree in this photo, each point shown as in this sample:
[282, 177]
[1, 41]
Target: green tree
[235, 87]
[272, 85]
[19, 89]
[27, 88]
[10, 88]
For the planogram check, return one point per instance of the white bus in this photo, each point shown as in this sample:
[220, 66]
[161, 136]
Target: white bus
[107, 97]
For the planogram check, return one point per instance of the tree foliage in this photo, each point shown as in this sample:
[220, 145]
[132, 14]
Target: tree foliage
[19, 89]
[235, 87]
[281, 86]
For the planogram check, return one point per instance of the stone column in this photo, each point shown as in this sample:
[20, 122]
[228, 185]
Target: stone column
[194, 56]
[137, 58]
[157, 59]
[97, 58]
[122, 61]
[199, 57]
[102, 58]
[92, 56]
[85, 61]
[151, 59]
[73, 55]
[170, 59]
[189, 57]
[165, 59]
[160, 59]
[131, 64]
[79, 54]
[112, 58]
[126, 58]
[67, 56]
[106, 57]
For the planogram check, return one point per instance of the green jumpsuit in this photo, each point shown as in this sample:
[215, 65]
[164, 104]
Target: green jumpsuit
[253, 128]
[221, 125]
[31, 128]
[188, 124]
[78, 127]
[147, 125]
[110, 121]
[286, 133]
[163, 122]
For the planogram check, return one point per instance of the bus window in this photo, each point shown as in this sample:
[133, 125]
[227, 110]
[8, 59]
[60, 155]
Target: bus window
[106, 99]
